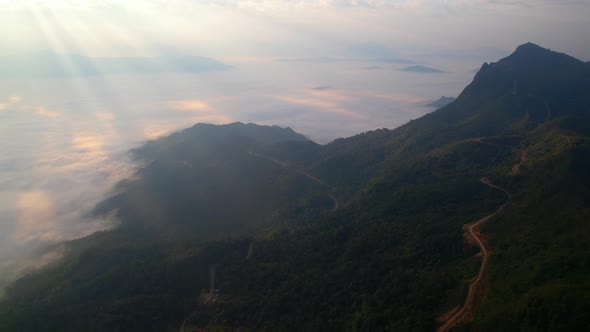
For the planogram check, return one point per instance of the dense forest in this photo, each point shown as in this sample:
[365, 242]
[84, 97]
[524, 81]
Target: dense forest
[247, 227]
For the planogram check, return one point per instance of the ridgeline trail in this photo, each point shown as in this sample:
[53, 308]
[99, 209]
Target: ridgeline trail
[307, 175]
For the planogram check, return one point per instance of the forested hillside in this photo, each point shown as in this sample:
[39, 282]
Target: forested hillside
[245, 227]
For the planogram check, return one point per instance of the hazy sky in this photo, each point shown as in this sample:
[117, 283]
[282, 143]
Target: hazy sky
[268, 28]
[327, 68]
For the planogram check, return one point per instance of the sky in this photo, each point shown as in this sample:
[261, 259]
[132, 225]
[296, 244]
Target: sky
[82, 82]
[269, 28]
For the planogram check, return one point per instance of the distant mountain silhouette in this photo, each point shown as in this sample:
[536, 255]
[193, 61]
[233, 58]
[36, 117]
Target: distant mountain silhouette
[321, 88]
[48, 64]
[441, 102]
[421, 69]
[329, 59]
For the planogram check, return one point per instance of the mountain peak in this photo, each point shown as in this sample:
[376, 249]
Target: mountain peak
[533, 55]
[529, 70]
[530, 48]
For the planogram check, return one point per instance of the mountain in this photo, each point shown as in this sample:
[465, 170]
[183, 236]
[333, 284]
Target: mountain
[441, 102]
[365, 233]
[208, 182]
[421, 69]
[48, 64]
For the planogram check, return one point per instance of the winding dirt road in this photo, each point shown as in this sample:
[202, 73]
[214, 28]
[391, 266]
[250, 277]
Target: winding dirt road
[459, 315]
[335, 202]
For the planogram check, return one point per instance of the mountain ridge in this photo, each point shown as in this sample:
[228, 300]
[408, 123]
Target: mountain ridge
[393, 256]
[441, 102]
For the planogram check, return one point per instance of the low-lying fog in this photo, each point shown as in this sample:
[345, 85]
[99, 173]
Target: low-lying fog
[64, 140]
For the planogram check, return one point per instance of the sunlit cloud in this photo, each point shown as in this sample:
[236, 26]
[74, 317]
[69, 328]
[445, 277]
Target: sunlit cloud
[331, 94]
[88, 150]
[192, 110]
[200, 111]
[344, 96]
[12, 101]
[105, 116]
[339, 102]
[323, 105]
[36, 213]
[86, 153]
[216, 118]
[190, 105]
[45, 112]
[41, 111]
[153, 131]
[16, 103]
[88, 142]
[40, 220]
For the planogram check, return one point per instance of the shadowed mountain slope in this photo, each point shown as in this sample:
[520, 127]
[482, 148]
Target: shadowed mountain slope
[256, 206]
